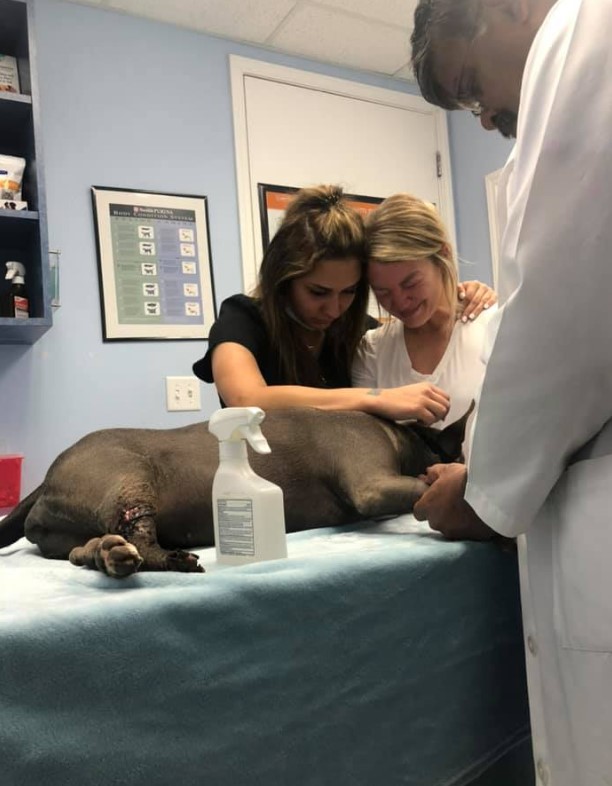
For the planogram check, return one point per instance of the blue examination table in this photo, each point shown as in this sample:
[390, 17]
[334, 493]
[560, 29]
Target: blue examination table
[375, 655]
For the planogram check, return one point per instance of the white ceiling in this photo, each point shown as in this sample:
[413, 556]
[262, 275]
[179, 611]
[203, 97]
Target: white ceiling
[372, 35]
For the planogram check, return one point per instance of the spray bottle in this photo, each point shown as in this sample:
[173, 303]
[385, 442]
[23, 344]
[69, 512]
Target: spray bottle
[15, 303]
[248, 512]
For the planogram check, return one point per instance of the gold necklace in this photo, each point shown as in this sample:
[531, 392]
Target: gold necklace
[313, 339]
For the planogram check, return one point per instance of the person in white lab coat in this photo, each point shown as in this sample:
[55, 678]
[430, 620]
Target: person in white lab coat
[541, 457]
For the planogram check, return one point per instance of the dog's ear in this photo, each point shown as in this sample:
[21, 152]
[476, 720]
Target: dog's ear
[447, 442]
[451, 438]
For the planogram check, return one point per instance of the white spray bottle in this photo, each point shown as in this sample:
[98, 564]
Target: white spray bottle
[248, 512]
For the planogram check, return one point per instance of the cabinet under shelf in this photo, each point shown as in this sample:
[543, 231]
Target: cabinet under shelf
[23, 233]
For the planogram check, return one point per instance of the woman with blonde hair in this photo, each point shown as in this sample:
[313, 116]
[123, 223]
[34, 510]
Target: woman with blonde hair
[429, 338]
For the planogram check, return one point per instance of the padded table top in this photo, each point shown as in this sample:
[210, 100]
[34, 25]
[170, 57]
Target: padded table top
[375, 654]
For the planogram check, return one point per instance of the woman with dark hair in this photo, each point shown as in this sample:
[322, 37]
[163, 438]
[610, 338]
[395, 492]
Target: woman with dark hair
[292, 343]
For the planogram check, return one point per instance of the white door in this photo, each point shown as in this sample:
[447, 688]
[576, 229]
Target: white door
[296, 128]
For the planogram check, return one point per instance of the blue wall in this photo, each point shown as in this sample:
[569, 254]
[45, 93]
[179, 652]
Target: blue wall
[474, 153]
[131, 103]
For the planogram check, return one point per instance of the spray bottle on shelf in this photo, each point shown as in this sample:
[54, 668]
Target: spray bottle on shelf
[248, 512]
[14, 303]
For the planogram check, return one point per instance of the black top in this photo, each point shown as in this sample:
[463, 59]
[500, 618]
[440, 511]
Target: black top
[240, 321]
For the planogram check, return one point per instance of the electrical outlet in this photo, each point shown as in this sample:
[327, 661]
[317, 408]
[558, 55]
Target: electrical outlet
[182, 393]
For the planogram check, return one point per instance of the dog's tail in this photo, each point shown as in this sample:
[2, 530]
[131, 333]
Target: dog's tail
[13, 526]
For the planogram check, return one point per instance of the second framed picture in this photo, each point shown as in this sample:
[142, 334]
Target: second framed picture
[154, 265]
[274, 200]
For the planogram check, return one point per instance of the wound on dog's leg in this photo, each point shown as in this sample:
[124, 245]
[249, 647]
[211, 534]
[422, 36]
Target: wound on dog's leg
[137, 526]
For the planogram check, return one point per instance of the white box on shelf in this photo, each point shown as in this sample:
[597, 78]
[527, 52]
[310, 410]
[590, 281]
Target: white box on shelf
[9, 75]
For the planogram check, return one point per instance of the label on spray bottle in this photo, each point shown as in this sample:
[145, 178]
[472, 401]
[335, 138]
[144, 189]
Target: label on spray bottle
[236, 532]
[21, 307]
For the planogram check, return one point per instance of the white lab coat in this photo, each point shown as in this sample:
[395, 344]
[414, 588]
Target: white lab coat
[547, 392]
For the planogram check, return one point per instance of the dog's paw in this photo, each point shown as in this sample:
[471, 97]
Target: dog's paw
[110, 554]
[184, 562]
[116, 557]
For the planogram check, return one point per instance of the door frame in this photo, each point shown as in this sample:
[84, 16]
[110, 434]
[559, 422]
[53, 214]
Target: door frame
[243, 67]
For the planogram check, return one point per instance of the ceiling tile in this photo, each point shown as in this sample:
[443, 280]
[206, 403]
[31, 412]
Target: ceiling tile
[245, 20]
[371, 35]
[336, 37]
[394, 12]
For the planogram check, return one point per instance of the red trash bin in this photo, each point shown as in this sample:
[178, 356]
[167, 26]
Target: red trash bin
[10, 481]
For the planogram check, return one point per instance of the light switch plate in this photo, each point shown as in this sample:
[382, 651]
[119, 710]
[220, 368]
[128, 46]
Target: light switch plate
[182, 393]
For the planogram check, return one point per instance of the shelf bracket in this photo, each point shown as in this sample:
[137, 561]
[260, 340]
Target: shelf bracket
[54, 264]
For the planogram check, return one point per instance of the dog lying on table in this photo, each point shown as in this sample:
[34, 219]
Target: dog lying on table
[122, 500]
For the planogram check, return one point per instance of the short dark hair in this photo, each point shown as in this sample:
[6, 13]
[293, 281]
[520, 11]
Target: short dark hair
[436, 20]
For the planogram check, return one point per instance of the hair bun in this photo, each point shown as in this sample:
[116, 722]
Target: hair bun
[332, 199]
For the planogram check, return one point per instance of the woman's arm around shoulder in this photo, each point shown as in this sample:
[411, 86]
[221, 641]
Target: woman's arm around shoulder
[475, 297]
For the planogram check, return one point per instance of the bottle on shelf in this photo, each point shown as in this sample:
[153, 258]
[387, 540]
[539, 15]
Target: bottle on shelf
[14, 303]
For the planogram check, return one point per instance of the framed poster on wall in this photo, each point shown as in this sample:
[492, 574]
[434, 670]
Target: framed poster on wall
[274, 200]
[154, 264]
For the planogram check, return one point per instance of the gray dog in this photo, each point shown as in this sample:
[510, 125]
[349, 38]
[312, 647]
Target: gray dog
[122, 500]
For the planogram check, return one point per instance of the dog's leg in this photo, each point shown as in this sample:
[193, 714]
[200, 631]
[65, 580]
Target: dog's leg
[110, 554]
[137, 526]
[133, 547]
[387, 496]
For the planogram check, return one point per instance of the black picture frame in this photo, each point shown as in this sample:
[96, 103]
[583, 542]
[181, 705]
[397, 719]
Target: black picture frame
[273, 200]
[154, 265]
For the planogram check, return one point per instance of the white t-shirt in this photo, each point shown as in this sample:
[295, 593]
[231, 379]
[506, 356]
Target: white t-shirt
[383, 362]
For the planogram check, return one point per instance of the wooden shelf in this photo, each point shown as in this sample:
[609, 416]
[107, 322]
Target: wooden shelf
[22, 331]
[8, 216]
[13, 99]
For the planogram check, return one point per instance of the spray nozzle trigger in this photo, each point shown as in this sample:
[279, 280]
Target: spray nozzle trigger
[15, 270]
[236, 423]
